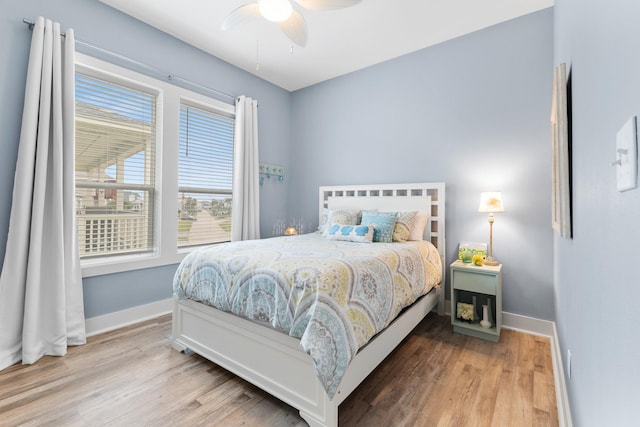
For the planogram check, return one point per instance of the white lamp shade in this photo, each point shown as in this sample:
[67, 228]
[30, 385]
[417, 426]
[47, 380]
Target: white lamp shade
[275, 10]
[491, 201]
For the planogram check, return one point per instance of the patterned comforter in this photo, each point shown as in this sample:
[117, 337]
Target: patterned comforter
[333, 295]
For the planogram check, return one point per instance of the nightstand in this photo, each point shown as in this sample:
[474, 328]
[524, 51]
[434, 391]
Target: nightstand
[480, 284]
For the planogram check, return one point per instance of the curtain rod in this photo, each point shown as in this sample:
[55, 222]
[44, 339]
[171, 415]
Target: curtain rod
[168, 76]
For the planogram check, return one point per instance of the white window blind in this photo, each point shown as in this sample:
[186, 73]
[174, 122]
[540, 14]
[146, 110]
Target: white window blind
[115, 167]
[204, 176]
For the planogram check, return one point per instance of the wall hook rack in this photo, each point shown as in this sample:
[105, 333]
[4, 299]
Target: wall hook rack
[268, 171]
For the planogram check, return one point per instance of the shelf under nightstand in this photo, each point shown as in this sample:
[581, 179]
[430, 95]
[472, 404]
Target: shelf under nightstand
[483, 283]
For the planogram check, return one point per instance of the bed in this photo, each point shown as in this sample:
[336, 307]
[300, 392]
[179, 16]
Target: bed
[284, 369]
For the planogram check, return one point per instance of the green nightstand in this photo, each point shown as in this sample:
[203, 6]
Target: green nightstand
[482, 284]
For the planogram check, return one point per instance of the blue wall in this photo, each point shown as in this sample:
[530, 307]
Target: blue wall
[100, 25]
[473, 112]
[596, 276]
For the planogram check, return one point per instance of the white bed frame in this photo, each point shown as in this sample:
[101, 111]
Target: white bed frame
[282, 368]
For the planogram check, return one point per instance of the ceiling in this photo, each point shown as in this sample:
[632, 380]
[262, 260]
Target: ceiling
[340, 41]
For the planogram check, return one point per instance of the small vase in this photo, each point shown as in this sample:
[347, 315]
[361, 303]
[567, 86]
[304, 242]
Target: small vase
[485, 322]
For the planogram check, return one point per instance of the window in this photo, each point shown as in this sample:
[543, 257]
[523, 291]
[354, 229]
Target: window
[204, 177]
[114, 167]
[141, 145]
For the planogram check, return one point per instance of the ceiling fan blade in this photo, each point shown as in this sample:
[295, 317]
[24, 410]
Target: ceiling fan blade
[241, 15]
[295, 27]
[327, 4]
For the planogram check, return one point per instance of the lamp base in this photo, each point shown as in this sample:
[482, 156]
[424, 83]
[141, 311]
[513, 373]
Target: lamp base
[491, 261]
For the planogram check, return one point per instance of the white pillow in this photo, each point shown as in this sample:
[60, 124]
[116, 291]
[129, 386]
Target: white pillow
[342, 217]
[416, 232]
[351, 233]
[323, 220]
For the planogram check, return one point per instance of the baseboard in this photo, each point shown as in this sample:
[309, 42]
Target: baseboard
[562, 396]
[109, 322]
[528, 325]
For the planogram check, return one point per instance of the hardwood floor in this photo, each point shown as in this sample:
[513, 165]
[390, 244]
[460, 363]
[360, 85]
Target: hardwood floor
[132, 377]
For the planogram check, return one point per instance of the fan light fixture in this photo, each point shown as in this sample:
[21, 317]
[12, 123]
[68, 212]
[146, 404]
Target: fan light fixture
[275, 10]
[290, 21]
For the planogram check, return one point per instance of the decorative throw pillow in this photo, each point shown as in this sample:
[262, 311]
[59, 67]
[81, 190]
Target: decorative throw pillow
[351, 233]
[416, 232]
[404, 223]
[343, 217]
[323, 220]
[384, 223]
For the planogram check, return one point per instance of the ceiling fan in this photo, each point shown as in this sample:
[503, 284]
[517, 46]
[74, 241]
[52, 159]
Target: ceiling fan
[281, 12]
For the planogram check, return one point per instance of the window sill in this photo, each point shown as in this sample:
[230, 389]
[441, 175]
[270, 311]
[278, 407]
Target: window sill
[101, 267]
[121, 264]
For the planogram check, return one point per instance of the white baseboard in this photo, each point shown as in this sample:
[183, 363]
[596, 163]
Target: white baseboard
[109, 322]
[562, 397]
[528, 325]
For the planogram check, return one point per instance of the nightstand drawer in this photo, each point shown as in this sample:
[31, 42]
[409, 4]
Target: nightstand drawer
[474, 282]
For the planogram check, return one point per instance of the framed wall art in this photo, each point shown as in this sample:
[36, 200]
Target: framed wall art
[561, 152]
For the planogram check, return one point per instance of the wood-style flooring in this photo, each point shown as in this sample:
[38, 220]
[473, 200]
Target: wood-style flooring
[132, 377]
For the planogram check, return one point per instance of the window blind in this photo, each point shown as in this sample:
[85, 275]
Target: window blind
[114, 167]
[205, 176]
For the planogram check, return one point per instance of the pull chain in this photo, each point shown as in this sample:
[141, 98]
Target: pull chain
[257, 55]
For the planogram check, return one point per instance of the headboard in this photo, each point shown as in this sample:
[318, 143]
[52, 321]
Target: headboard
[429, 196]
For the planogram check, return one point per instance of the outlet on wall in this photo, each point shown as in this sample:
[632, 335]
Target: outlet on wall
[569, 363]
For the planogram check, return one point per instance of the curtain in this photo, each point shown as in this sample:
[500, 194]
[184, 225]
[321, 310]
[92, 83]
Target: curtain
[245, 213]
[41, 304]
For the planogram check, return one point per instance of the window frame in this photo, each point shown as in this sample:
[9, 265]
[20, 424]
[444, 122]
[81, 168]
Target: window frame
[151, 188]
[169, 99]
[190, 103]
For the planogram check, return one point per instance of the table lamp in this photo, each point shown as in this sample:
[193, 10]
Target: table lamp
[491, 202]
[291, 231]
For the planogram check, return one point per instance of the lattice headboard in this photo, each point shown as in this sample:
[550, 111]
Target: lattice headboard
[429, 196]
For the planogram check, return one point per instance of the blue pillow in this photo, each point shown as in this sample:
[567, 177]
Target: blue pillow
[384, 223]
[350, 233]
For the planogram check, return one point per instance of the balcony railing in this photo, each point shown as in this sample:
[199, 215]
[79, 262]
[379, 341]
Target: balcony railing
[100, 234]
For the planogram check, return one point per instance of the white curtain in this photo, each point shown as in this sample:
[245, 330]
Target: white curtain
[245, 213]
[41, 305]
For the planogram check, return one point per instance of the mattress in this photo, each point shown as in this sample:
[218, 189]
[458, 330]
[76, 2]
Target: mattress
[332, 295]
